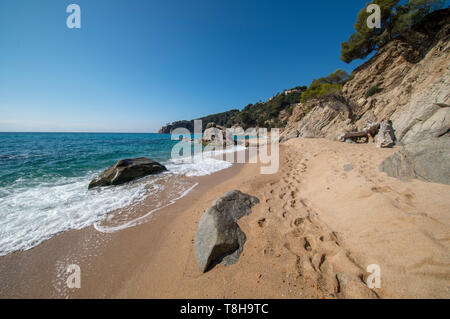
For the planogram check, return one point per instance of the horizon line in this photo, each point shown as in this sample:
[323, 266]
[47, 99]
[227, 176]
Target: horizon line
[81, 132]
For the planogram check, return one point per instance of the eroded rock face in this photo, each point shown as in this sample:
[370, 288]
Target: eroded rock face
[428, 160]
[413, 77]
[127, 170]
[219, 238]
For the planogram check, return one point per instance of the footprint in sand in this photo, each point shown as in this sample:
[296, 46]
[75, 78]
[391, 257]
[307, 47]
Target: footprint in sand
[299, 221]
[317, 250]
[262, 222]
[381, 189]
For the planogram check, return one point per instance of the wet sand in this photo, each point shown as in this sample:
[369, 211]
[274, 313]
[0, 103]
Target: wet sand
[316, 230]
[106, 260]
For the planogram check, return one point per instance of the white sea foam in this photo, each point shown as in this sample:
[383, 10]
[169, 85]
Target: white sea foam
[139, 220]
[30, 215]
[201, 164]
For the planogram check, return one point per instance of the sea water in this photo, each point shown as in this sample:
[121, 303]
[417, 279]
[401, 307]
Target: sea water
[44, 180]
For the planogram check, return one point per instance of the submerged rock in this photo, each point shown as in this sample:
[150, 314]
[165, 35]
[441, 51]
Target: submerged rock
[219, 238]
[428, 160]
[127, 170]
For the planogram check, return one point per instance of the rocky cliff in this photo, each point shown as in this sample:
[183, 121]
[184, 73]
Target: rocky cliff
[407, 81]
[166, 129]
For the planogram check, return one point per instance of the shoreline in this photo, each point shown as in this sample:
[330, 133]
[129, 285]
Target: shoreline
[315, 231]
[39, 272]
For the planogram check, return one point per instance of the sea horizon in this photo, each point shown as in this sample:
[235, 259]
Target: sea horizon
[106, 132]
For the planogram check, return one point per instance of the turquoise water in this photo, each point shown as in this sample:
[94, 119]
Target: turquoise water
[44, 181]
[28, 159]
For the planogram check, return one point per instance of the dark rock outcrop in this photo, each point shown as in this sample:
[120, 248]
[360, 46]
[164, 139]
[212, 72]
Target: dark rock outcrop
[428, 160]
[166, 129]
[127, 170]
[219, 238]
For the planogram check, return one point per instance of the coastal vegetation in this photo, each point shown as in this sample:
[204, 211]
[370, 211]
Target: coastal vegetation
[272, 113]
[397, 17]
[324, 86]
[221, 119]
[267, 114]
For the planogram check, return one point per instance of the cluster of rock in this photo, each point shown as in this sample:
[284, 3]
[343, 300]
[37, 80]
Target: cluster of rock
[413, 77]
[369, 132]
[384, 133]
[218, 135]
[219, 238]
[214, 135]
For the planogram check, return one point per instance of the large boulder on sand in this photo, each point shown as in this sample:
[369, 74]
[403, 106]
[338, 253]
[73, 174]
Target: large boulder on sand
[127, 170]
[428, 160]
[219, 238]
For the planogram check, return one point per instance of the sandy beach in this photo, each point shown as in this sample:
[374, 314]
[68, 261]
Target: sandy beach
[326, 216]
[120, 122]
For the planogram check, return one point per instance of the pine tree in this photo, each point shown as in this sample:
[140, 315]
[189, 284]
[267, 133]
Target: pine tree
[396, 18]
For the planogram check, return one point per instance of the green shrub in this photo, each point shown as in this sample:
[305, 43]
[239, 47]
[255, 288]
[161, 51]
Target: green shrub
[320, 90]
[325, 86]
[373, 90]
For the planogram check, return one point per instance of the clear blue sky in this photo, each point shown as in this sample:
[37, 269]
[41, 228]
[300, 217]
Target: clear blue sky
[135, 65]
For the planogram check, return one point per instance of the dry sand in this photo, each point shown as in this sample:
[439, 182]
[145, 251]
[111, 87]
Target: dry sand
[316, 230]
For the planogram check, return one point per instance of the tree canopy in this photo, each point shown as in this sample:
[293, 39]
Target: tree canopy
[262, 114]
[396, 17]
